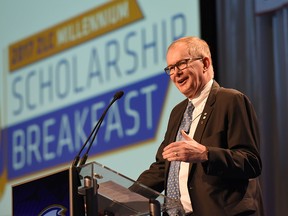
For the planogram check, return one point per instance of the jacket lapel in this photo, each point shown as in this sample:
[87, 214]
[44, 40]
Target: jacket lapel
[205, 114]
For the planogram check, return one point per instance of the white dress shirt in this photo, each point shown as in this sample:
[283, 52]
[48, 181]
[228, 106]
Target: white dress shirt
[199, 103]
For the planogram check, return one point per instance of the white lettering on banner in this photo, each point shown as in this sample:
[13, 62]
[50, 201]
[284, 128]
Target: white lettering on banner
[148, 93]
[114, 123]
[52, 138]
[132, 113]
[114, 120]
[33, 144]
[93, 23]
[79, 133]
[107, 63]
[19, 149]
[48, 138]
[65, 138]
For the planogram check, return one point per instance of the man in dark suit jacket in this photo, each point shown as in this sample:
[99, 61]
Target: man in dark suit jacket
[220, 159]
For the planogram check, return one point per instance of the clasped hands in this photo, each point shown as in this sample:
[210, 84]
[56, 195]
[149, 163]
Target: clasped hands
[186, 150]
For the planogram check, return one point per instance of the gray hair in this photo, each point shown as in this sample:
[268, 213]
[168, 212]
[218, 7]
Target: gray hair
[196, 47]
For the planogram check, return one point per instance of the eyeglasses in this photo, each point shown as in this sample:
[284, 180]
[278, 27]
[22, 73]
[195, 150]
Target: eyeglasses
[180, 65]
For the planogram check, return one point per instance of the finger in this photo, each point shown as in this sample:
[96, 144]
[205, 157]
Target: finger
[172, 156]
[185, 135]
[169, 150]
[169, 154]
[171, 145]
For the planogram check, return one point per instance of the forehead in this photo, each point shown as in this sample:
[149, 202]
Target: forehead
[176, 53]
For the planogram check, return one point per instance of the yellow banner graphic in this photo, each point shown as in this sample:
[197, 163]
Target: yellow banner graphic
[77, 30]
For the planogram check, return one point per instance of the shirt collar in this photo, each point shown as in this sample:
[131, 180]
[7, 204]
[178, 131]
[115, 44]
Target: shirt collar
[203, 94]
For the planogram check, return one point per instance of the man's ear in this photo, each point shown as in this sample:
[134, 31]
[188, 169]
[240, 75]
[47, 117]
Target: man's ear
[206, 63]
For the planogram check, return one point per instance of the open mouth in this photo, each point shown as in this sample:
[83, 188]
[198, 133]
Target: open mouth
[181, 81]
